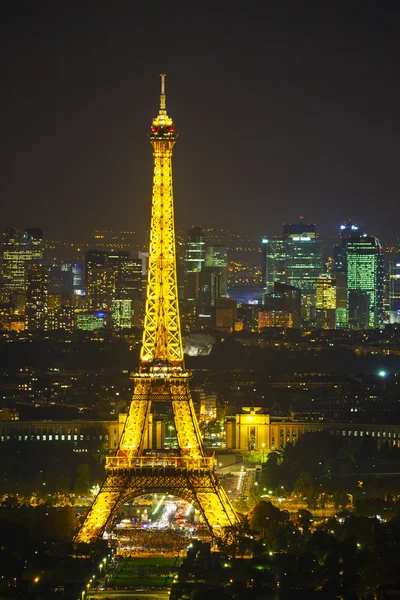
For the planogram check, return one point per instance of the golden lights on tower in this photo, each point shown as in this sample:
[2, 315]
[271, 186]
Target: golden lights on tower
[161, 377]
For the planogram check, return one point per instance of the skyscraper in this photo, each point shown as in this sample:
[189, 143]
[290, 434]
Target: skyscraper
[112, 277]
[122, 314]
[77, 269]
[304, 256]
[194, 263]
[296, 259]
[195, 249]
[37, 291]
[129, 293]
[129, 282]
[365, 275]
[216, 257]
[394, 291]
[101, 276]
[285, 300]
[273, 262]
[19, 246]
[325, 302]
[348, 231]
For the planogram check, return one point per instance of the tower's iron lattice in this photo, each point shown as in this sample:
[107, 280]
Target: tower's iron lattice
[161, 377]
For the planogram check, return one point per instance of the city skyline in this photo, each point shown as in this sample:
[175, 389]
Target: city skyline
[279, 116]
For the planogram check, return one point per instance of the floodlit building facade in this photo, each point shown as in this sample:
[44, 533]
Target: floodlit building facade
[365, 279]
[19, 246]
[325, 302]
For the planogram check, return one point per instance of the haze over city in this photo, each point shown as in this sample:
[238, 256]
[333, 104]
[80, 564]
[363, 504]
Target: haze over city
[282, 111]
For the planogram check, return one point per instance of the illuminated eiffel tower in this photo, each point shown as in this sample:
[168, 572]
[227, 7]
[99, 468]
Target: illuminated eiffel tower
[162, 377]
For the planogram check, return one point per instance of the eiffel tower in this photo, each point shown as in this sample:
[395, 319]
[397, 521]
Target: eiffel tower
[162, 377]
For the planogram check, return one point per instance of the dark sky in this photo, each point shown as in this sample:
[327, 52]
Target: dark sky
[286, 110]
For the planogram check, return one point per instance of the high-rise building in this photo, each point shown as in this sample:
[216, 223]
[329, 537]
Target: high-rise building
[284, 300]
[325, 302]
[348, 231]
[37, 286]
[19, 246]
[181, 266]
[129, 281]
[273, 262]
[365, 275]
[210, 287]
[114, 276]
[77, 270]
[268, 319]
[194, 263]
[60, 317]
[216, 257]
[296, 259]
[304, 256]
[394, 291]
[100, 280]
[358, 311]
[195, 250]
[122, 314]
[90, 320]
[129, 292]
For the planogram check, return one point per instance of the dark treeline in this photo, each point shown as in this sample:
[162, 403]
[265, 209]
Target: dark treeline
[228, 354]
[36, 468]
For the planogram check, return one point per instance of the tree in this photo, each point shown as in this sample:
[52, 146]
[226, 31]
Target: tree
[264, 512]
[82, 482]
[270, 472]
[305, 519]
[241, 505]
[340, 499]
[305, 487]
[253, 499]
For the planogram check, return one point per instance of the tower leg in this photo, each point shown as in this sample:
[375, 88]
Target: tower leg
[132, 438]
[101, 511]
[189, 437]
[213, 502]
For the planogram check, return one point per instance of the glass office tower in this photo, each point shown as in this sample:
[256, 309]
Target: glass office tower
[365, 278]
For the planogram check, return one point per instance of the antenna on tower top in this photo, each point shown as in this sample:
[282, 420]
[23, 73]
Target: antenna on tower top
[162, 97]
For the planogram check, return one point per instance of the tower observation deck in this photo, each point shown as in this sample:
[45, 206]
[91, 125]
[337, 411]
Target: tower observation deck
[161, 377]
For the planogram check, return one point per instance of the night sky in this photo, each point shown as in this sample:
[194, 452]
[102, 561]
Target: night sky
[286, 110]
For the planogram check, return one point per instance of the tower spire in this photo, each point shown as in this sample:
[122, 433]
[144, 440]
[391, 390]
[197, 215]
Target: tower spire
[163, 105]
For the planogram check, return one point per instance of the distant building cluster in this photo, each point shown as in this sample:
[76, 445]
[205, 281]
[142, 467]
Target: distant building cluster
[353, 289]
[294, 285]
[106, 290]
